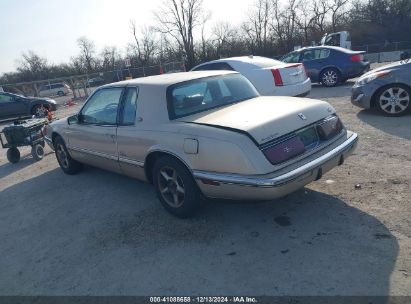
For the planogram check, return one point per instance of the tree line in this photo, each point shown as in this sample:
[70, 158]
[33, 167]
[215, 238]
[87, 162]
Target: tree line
[184, 31]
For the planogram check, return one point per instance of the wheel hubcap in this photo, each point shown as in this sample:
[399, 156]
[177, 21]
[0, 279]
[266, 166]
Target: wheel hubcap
[330, 78]
[62, 156]
[394, 100]
[171, 187]
[41, 111]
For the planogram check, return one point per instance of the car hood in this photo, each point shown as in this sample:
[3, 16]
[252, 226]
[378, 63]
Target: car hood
[265, 118]
[390, 66]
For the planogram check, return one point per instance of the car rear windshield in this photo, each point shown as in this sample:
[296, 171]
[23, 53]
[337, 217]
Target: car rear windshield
[203, 94]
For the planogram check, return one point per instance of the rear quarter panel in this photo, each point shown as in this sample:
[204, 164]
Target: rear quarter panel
[262, 79]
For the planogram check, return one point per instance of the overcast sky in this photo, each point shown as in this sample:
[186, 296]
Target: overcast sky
[51, 27]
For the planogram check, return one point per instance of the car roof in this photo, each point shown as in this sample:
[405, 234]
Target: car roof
[169, 79]
[255, 60]
[336, 48]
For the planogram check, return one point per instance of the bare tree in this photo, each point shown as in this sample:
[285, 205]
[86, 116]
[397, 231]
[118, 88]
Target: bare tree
[145, 48]
[338, 12]
[305, 20]
[32, 66]
[284, 23]
[179, 19]
[320, 9]
[87, 50]
[110, 56]
[257, 26]
[224, 37]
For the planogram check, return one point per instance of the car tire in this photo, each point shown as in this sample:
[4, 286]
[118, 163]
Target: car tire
[60, 93]
[39, 111]
[330, 77]
[37, 151]
[176, 188]
[394, 100]
[67, 164]
[13, 155]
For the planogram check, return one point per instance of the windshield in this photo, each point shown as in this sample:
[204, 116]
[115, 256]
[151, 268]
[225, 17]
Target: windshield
[203, 94]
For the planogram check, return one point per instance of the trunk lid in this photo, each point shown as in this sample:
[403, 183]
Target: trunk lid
[290, 73]
[265, 118]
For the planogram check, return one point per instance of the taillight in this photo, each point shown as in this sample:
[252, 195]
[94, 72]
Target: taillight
[277, 77]
[285, 150]
[305, 71]
[329, 128]
[356, 58]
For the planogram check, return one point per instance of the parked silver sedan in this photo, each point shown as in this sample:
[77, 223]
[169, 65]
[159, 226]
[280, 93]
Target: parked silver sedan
[387, 88]
[201, 134]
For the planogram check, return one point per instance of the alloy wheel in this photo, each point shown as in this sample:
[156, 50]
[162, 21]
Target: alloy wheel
[40, 111]
[330, 78]
[171, 187]
[62, 156]
[394, 100]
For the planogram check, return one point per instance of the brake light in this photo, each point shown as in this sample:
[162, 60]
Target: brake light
[285, 150]
[356, 58]
[305, 71]
[330, 128]
[277, 77]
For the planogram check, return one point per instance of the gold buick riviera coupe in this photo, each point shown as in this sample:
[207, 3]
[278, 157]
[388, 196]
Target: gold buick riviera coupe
[203, 134]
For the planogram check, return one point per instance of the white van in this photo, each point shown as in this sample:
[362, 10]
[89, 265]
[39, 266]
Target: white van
[55, 89]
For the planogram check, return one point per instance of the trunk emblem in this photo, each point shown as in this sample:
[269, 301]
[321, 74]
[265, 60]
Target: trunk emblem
[302, 116]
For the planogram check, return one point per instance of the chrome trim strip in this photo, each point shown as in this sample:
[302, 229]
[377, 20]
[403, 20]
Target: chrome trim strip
[95, 153]
[130, 161]
[349, 144]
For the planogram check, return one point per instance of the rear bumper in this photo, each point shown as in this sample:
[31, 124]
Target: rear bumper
[299, 89]
[218, 185]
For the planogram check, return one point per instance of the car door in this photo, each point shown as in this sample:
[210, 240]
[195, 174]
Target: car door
[12, 106]
[93, 140]
[314, 61]
[130, 144]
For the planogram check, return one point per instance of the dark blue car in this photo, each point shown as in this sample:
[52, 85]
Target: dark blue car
[329, 65]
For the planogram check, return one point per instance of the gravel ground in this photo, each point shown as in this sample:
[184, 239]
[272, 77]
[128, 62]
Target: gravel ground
[99, 233]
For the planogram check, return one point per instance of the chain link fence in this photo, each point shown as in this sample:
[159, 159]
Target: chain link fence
[80, 86]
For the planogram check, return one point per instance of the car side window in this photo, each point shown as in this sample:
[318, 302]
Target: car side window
[6, 98]
[315, 54]
[308, 55]
[324, 53]
[102, 107]
[291, 58]
[129, 107]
